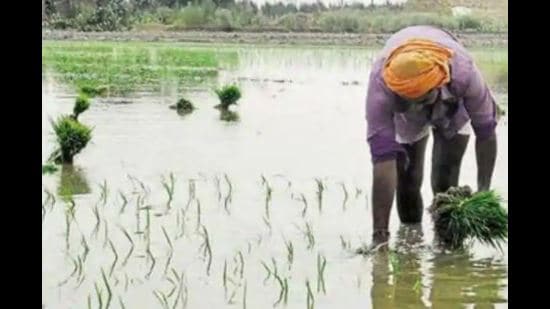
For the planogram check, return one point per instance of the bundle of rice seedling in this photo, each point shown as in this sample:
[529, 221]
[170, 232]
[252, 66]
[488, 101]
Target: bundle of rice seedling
[72, 137]
[183, 106]
[459, 215]
[228, 95]
[81, 104]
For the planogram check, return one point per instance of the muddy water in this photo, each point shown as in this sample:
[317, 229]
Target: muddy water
[301, 118]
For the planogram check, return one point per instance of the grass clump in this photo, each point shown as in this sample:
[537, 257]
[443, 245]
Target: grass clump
[228, 96]
[459, 215]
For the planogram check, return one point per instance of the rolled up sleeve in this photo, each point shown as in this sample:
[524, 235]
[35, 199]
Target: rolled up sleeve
[380, 125]
[480, 105]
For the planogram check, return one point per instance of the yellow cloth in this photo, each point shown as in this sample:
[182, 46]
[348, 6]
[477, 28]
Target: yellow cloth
[416, 67]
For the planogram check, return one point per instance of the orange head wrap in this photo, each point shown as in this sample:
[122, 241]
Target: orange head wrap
[416, 67]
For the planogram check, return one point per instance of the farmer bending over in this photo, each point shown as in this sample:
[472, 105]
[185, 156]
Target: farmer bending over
[424, 80]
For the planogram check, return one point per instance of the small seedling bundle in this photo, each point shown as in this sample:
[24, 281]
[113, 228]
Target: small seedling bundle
[71, 135]
[460, 215]
[228, 96]
[183, 106]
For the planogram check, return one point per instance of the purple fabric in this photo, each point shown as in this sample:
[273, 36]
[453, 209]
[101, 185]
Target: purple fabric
[384, 109]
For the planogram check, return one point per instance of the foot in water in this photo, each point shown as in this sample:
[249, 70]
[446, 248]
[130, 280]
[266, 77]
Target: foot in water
[380, 241]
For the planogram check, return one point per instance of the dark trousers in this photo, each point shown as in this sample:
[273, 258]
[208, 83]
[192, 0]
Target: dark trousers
[446, 160]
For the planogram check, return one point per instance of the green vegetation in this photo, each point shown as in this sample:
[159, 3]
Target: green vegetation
[72, 137]
[229, 15]
[183, 106]
[459, 215]
[117, 68]
[228, 96]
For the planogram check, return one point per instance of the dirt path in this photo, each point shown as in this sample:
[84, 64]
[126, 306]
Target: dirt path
[327, 39]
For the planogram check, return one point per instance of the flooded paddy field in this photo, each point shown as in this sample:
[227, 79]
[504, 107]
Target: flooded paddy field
[196, 211]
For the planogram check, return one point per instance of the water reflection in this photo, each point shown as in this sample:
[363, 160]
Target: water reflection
[451, 280]
[229, 116]
[458, 279]
[72, 182]
[397, 279]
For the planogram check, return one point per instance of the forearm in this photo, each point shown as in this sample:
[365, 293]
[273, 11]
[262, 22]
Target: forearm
[486, 152]
[383, 191]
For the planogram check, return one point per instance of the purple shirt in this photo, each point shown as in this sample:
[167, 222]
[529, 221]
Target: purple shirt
[465, 98]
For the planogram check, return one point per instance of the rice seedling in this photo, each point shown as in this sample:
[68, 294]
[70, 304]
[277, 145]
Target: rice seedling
[345, 196]
[310, 298]
[282, 290]
[126, 281]
[198, 214]
[98, 295]
[170, 252]
[207, 249]
[285, 296]
[153, 262]
[89, 301]
[244, 295]
[459, 215]
[224, 278]
[229, 195]
[121, 302]
[131, 245]
[241, 259]
[162, 299]
[309, 236]
[274, 262]
[169, 188]
[358, 192]
[228, 95]
[115, 259]
[108, 287]
[106, 234]
[182, 211]
[183, 107]
[124, 202]
[218, 187]
[183, 292]
[268, 193]
[321, 264]
[192, 190]
[98, 221]
[268, 270]
[50, 198]
[73, 272]
[104, 192]
[139, 203]
[305, 204]
[320, 188]
[267, 223]
[290, 253]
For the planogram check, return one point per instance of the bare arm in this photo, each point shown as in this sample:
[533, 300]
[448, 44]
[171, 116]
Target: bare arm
[383, 191]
